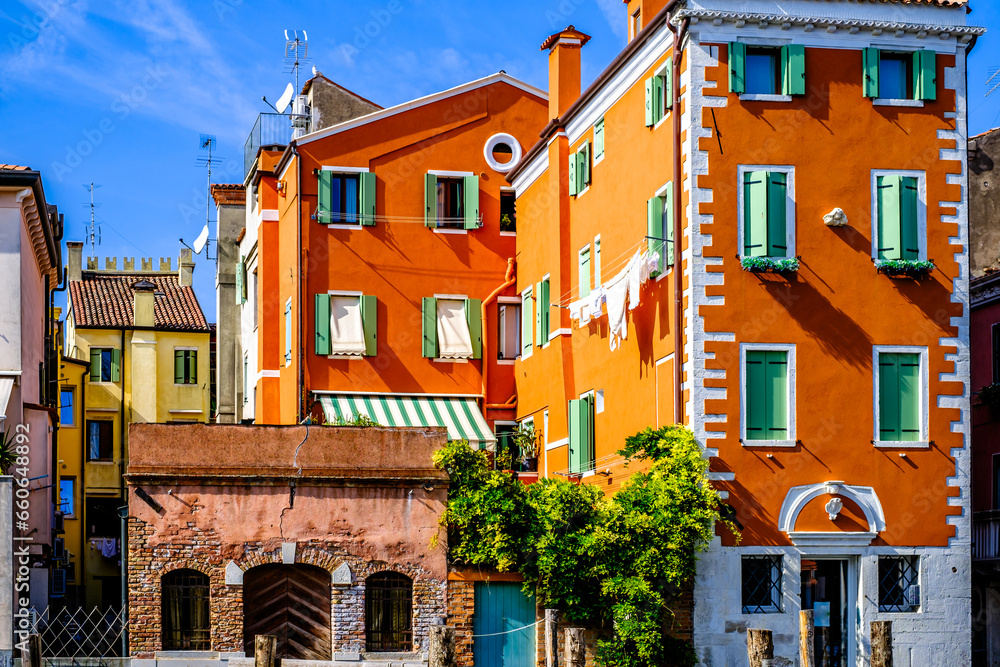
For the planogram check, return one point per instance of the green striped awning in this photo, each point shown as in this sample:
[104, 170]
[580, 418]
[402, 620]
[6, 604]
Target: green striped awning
[461, 416]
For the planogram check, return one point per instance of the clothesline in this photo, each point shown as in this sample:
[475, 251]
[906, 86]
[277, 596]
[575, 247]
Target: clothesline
[614, 265]
[507, 632]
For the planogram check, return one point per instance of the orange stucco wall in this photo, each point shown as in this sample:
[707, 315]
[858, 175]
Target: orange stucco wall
[836, 308]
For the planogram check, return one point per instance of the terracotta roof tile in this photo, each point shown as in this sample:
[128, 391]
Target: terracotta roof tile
[106, 301]
[13, 167]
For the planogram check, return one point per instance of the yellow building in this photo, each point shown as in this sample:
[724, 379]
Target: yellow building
[146, 344]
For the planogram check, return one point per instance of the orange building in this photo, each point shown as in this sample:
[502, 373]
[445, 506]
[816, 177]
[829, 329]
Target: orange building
[377, 265]
[812, 324]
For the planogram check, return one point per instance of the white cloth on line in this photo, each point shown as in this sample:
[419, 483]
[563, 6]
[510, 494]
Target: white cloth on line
[580, 310]
[347, 331]
[616, 294]
[454, 340]
[597, 302]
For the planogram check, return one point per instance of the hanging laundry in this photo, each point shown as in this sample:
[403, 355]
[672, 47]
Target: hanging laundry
[580, 310]
[616, 294]
[106, 546]
[597, 302]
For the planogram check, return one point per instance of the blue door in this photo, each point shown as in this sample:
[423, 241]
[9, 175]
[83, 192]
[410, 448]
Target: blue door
[501, 611]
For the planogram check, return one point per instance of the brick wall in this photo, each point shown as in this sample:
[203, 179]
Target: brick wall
[461, 605]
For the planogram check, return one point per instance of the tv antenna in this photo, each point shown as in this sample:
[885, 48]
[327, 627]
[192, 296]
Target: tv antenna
[93, 232]
[994, 78]
[206, 142]
[296, 53]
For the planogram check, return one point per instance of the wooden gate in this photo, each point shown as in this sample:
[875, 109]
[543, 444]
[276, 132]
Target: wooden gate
[500, 610]
[291, 602]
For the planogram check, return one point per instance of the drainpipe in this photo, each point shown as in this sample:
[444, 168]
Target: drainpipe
[679, 35]
[509, 279]
[300, 339]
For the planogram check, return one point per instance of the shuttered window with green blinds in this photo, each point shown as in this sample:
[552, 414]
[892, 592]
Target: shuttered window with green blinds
[581, 434]
[766, 377]
[899, 74]
[899, 397]
[429, 326]
[105, 364]
[430, 200]
[367, 196]
[542, 312]
[765, 213]
[793, 69]
[474, 318]
[526, 321]
[185, 367]
[659, 94]
[584, 271]
[898, 201]
[599, 139]
[470, 210]
[737, 67]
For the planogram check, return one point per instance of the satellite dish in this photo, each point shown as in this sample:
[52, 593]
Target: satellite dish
[200, 242]
[285, 98]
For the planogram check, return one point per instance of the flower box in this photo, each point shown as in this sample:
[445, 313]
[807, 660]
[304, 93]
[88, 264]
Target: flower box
[908, 268]
[770, 264]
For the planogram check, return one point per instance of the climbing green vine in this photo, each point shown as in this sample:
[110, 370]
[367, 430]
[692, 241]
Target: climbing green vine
[615, 563]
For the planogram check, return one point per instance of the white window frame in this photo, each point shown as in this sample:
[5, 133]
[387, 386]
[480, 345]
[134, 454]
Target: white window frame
[661, 192]
[924, 441]
[186, 349]
[510, 301]
[661, 72]
[586, 186]
[777, 592]
[789, 349]
[527, 295]
[347, 170]
[770, 43]
[895, 101]
[512, 191]
[450, 174]
[921, 177]
[790, 220]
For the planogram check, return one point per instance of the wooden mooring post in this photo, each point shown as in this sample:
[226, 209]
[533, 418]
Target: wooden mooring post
[551, 638]
[442, 649]
[264, 649]
[576, 648]
[760, 647]
[807, 638]
[881, 643]
[32, 656]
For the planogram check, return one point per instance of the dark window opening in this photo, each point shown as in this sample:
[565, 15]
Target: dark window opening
[763, 74]
[100, 364]
[344, 198]
[503, 153]
[761, 584]
[895, 76]
[508, 212]
[388, 612]
[100, 440]
[103, 519]
[185, 367]
[450, 203]
[898, 583]
[185, 611]
[509, 331]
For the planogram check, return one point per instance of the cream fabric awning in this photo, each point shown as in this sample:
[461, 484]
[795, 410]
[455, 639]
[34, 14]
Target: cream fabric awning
[347, 331]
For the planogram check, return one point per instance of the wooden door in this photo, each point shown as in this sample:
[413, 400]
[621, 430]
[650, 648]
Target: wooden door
[504, 622]
[291, 602]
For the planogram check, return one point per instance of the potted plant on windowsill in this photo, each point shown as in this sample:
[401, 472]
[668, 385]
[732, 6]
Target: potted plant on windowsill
[770, 264]
[527, 444]
[906, 268]
[7, 454]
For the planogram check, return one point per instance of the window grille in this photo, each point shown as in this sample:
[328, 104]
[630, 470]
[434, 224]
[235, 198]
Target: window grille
[388, 612]
[898, 583]
[761, 584]
[185, 620]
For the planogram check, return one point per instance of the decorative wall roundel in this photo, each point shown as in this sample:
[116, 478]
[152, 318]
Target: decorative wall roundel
[502, 152]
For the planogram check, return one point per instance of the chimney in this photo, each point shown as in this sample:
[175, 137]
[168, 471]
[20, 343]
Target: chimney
[185, 268]
[74, 251]
[564, 69]
[145, 300]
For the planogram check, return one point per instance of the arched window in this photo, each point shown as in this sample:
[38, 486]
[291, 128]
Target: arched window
[185, 611]
[389, 612]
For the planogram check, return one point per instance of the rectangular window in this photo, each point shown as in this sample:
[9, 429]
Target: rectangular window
[899, 397]
[527, 321]
[288, 333]
[597, 261]
[452, 328]
[346, 325]
[583, 265]
[660, 228]
[508, 211]
[451, 201]
[761, 584]
[67, 496]
[598, 141]
[185, 367]
[762, 72]
[542, 308]
[659, 93]
[346, 198]
[899, 217]
[105, 363]
[508, 330]
[100, 440]
[900, 75]
[636, 23]
[768, 224]
[766, 387]
[581, 434]
[898, 583]
[765, 70]
[66, 407]
[579, 169]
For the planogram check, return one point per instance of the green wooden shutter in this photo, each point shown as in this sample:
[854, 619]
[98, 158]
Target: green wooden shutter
[777, 211]
[178, 366]
[474, 317]
[650, 101]
[755, 214]
[589, 454]
[239, 280]
[909, 397]
[367, 198]
[756, 395]
[539, 315]
[191, 357]
[657, 98]
[888, 397]
[544, 304]
[526, 321]
[668, 86]
[430, 200]
[668, 228]
[737, 67]
[577, 435]
[430, 330]
[599, 139]
[889, 217]
[793, 69]
[908, 203]
[776, 381]
[597, 262]
[325, 198]
[870, 64]
[654, 229]
[584, 170]
[95, 364]
[584, 272]
[369, 322]
[323, 324]
[470, 190]
[243, 280]
[924, 75]
[573, 184]
[116, 364]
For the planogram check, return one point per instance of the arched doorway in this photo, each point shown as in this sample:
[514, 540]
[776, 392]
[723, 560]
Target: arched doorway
[291, 602]
[185, 599]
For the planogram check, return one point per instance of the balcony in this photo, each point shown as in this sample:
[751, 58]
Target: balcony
[986, 535]
[271, 129]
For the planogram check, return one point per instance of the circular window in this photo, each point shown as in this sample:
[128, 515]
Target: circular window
[502, 152]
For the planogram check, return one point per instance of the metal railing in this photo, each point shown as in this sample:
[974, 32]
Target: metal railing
[270, 129]
[79, 633]
[986, 536]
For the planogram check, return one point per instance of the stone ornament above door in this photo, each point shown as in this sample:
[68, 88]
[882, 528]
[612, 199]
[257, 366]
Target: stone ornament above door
[864, 497]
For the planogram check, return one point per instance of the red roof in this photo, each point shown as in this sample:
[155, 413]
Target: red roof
[13, 167]
[105, 301]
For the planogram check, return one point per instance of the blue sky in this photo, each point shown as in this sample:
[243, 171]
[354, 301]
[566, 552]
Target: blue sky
[117, 92]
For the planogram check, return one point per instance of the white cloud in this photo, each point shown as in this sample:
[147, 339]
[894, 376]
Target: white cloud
[613, 14]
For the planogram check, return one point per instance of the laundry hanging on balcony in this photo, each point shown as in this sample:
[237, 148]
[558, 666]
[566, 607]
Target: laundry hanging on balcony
[624, 289]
